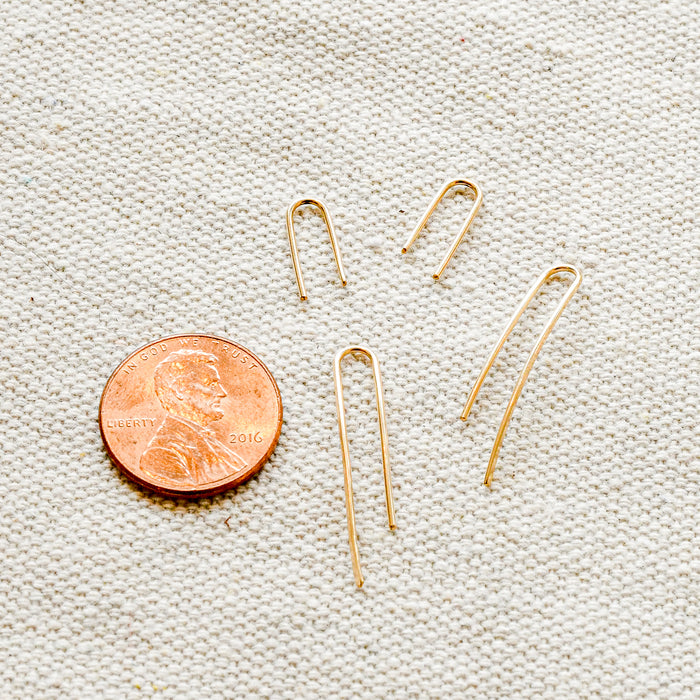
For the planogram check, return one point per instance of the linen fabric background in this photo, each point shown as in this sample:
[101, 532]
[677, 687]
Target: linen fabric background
[149, 151]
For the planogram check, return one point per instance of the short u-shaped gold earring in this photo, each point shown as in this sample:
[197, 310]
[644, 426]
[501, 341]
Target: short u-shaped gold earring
[478, 199]
[342, 427]
[530, 360]
[293, 242]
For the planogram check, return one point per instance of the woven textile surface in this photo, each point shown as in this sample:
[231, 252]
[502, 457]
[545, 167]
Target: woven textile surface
[149, 151]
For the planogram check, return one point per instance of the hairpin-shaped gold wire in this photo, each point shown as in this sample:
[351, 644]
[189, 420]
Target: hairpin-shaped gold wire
[546, 275]
[342, 427]
[478, 199]
[293, 242]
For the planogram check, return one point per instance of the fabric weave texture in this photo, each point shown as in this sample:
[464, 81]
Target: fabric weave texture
[149, 151]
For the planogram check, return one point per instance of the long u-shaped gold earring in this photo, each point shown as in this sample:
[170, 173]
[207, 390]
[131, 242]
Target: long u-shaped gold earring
[478, 199]
[342, 427]
[293, 242]
[530, 360]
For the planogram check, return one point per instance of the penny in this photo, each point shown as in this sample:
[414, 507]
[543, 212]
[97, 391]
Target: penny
[190, 415]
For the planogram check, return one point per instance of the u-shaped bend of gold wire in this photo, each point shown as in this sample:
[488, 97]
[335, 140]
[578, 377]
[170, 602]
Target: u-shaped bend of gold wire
[478, 199]
[342, 427]
[293, 242]
[530, 360]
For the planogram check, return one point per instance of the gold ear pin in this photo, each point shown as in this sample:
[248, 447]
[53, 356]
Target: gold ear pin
[478, 199]
[530, 360]
[342, 427]
[293, 242]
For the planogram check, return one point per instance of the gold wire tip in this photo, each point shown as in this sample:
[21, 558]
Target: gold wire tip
[478, 199]
[293, 242]
[342, 428]
[558, 269]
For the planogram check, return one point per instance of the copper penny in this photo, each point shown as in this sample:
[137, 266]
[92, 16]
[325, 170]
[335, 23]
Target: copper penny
[190, 415]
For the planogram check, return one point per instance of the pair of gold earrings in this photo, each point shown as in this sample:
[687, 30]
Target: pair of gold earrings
[517, 391]
[450, 184]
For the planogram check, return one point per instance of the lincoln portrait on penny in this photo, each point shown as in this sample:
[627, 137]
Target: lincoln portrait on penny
[184, 450]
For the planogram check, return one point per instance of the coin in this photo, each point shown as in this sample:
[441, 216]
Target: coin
[190, 415]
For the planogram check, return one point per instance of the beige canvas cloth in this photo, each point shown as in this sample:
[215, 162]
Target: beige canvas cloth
[149, 151]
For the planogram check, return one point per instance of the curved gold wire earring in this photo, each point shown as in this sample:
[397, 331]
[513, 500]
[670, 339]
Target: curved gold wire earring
[342, 427]
[530, 360]
[293, 242]
[478, 199]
